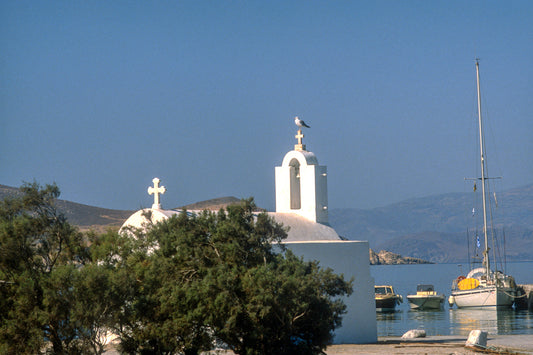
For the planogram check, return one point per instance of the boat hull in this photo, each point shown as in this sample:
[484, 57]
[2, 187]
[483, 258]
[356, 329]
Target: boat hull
[386, 299]
[386, 304]
[484, 297]
[425, 302]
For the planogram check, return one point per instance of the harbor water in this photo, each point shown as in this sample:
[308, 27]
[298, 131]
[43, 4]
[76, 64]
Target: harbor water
[447, 321]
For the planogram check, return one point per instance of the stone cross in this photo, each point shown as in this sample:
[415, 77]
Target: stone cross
[156, 190]
[299, 136]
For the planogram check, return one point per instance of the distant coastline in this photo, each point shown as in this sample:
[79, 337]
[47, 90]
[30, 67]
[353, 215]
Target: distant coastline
[384, 257]
[429, 229]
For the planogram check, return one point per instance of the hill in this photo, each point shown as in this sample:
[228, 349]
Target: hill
[440, 247]
[90, 217]
[214, 204]
[434, 227]
[84, 216]
[431, 228]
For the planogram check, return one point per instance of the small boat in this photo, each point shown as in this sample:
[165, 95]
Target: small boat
[386, 299]
[426, 298]
[485, 286]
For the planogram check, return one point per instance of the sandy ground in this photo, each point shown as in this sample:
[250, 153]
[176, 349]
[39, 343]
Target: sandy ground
[499, 344]
[496, 344]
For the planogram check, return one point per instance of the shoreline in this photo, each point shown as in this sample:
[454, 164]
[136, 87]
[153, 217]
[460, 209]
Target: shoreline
[441, 344]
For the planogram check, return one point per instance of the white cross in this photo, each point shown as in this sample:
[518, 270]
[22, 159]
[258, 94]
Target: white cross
[156, 190]
[299, 136]
[299, 146]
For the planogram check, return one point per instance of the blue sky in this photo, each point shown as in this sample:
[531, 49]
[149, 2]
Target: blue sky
[102, 96]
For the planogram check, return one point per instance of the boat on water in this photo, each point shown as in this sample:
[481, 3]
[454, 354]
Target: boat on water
[426, 298]
[484, 286]
[386, 299]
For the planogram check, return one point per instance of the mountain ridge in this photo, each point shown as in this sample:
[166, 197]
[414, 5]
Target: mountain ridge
[431, 228]
[434, 227]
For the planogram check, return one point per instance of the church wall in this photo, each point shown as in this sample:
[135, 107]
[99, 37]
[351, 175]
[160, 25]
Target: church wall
[308, 184]
[321, 175]
[351, 259]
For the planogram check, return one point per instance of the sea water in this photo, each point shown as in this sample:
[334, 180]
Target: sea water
[448, 320]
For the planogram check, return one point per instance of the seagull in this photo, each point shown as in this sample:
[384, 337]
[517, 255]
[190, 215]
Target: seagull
[300, 123]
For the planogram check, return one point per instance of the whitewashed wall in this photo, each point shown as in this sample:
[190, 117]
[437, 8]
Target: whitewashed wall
[313, 193]
[351, 259]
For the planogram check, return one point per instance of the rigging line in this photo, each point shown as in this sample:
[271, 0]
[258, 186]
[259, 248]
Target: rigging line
[468, 243]
[492, 233]
[504, 253]
[492, 137]
[491, 186]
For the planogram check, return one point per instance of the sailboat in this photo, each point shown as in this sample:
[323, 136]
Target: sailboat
[483, 287]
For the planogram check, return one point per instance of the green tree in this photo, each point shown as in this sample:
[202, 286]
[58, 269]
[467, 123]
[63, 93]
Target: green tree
[50, 290]
[224, 276]
[175, 287]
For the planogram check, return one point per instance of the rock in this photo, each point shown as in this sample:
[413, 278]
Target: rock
[477, 338]
[414, 333]
[374, 260]
[388, 258]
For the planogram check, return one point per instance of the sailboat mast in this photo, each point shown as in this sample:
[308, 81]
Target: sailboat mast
[482, 154]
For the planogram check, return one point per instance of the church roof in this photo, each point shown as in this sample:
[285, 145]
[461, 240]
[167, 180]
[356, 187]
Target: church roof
[140, 218]
[309, 158]
[302, 229]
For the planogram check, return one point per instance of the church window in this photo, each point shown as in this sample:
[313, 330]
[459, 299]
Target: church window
[296, 203]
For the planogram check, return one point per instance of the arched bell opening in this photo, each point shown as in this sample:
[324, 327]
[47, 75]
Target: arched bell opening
[296, 200]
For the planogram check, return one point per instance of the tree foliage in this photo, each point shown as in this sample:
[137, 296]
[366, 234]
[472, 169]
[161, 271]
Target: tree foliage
[225, 277]
[45, 277]
[179, 286]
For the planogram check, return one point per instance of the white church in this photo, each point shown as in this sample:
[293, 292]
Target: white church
[302, 204]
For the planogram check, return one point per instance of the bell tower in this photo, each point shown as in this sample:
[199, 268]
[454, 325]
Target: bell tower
[301, 184]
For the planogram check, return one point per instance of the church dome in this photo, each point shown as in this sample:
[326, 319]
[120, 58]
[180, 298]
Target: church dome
[304, 158]
[145, 217]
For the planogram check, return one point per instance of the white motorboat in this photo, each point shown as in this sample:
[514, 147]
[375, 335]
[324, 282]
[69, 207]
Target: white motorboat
[426, 298]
